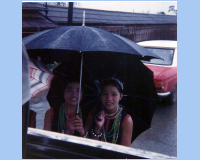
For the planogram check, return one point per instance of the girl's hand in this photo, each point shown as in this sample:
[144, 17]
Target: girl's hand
[76, 124]
[99, 122]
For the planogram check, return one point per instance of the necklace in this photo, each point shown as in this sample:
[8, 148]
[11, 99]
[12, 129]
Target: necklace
[114, 131]
[62, 126]
[112, 113]
[117, 113]
[66, 115]
[62, 118]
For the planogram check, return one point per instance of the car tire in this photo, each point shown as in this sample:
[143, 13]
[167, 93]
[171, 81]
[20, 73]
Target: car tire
[172, 99]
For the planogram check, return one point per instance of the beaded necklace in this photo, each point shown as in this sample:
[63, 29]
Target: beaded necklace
[116, 114]
[114, 131]
[112, 113]
[66, 116]
[62, 118]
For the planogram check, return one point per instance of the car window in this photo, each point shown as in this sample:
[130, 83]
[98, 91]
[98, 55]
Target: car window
[166, 54]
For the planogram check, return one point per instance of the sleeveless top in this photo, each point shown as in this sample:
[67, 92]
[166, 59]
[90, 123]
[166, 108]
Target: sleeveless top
[57, 126]
[112, 128]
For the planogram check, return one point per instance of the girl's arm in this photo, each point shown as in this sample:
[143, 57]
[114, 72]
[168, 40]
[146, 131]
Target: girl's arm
[47, 120]
[95, 132]
[96, 129]
[127, 130]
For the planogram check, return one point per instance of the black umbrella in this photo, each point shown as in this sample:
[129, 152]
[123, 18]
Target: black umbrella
[103, 55]
[54, 43]
[139, 91]
[84, 39]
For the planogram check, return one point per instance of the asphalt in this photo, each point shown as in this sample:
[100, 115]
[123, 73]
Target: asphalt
[162, 136]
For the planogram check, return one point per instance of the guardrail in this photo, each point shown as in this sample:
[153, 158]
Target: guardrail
[46, 144]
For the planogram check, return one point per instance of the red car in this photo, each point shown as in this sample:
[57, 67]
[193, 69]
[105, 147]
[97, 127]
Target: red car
[165, 71]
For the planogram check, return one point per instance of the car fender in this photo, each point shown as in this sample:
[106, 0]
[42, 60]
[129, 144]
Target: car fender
[168, 73]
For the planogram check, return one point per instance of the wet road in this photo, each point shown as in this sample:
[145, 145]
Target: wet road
[160, 138]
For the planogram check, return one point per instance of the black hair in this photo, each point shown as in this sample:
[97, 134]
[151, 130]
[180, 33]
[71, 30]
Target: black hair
[112, 81]
[73, 80]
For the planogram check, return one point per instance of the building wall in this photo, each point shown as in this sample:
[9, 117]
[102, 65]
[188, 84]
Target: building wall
[139, 33]
[134, 26]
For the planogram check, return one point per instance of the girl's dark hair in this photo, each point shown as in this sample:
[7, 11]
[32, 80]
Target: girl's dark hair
[73, 80]
[112, 81]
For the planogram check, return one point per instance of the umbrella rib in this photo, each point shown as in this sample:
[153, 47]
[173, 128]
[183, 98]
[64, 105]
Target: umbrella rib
[90, 102]
[140, 97]
[103, 39]
[95, 82]
[135, 115]
[136, 47]
[57, 41]
[60, 73]
[93, 89]
[116, 72]
[28, 39]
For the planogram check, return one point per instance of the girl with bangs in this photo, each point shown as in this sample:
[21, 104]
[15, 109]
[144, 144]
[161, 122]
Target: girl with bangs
[111, 123]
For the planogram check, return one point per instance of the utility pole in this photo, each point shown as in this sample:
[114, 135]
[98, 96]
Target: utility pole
[70, 13]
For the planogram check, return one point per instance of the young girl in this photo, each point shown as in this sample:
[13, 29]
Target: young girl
[66, 120]
[112, 124]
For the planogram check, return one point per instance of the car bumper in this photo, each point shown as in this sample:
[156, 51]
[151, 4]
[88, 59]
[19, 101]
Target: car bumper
[163, 94]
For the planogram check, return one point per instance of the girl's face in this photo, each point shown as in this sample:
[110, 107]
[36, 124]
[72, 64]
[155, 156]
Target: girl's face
[71, 94]
[110, 98]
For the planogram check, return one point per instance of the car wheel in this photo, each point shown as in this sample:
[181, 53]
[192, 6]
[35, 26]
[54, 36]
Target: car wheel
[173, 96]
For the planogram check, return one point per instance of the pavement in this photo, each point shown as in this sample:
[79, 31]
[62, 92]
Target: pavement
[162, 136]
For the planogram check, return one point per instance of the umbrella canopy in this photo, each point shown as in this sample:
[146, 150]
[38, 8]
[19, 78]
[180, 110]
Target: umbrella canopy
[103, 55]
[82, 38]
[140, 95]
[40, 77]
